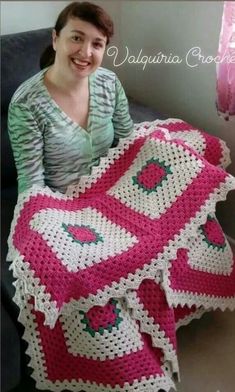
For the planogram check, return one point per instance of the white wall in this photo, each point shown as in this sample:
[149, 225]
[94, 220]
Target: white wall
[154, 26]
[19, 16]
[175, 89]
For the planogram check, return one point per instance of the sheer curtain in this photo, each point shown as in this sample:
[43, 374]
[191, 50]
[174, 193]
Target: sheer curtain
[226, 66]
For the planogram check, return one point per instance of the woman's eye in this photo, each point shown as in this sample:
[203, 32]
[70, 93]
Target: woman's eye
[98, 45]
[76, 38]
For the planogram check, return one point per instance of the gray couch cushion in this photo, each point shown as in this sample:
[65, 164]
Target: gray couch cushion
[20, 55]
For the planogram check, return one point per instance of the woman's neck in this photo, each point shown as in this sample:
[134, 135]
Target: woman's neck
[54, 78]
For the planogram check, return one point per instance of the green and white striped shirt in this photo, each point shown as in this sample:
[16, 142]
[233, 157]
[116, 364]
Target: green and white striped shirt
[49, 147]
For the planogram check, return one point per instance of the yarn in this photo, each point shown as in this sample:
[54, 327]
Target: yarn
[106, 273]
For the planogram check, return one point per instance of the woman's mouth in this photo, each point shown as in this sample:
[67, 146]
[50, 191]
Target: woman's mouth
[81, 64]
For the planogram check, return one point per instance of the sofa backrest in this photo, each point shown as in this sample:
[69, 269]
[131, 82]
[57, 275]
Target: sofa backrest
[20, 55]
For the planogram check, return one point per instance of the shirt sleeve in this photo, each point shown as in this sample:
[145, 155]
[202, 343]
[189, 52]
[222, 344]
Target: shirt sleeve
[122, 122]
[27, 144]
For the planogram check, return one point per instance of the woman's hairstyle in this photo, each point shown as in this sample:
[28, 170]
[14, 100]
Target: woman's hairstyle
[85, 11]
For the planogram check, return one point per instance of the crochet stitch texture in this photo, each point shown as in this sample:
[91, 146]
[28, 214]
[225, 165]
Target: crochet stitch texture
[106, 273]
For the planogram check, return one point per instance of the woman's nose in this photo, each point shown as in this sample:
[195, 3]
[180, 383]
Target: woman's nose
[85, 49]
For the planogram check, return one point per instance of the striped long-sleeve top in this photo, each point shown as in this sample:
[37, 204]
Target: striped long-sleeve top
[49, 148]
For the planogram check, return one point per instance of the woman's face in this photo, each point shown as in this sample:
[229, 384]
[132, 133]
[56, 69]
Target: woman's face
[79, 48]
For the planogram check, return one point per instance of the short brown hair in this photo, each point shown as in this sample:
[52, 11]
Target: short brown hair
[86, 11]
[89, 13]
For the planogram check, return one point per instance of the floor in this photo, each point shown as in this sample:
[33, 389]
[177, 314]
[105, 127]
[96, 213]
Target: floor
[206, 350]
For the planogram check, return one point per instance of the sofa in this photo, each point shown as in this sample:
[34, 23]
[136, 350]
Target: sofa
[19, 61]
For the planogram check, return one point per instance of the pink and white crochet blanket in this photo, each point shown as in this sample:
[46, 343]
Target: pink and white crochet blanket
[107, 272]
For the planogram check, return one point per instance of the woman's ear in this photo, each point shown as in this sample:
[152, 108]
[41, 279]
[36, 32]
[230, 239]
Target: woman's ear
[54, 39]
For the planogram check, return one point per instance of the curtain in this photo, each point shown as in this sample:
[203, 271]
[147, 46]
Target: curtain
[226, 63]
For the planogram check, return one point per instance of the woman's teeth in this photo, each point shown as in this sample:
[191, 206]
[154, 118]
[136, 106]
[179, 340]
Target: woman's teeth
[82, 63]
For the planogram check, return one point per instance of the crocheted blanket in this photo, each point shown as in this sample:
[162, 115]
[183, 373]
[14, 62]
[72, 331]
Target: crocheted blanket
[107, 272]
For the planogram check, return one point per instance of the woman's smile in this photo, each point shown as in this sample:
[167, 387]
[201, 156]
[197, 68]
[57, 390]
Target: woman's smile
[81, 64]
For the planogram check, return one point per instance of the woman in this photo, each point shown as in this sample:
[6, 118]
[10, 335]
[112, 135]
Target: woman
[105, 277]
[62, 120]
